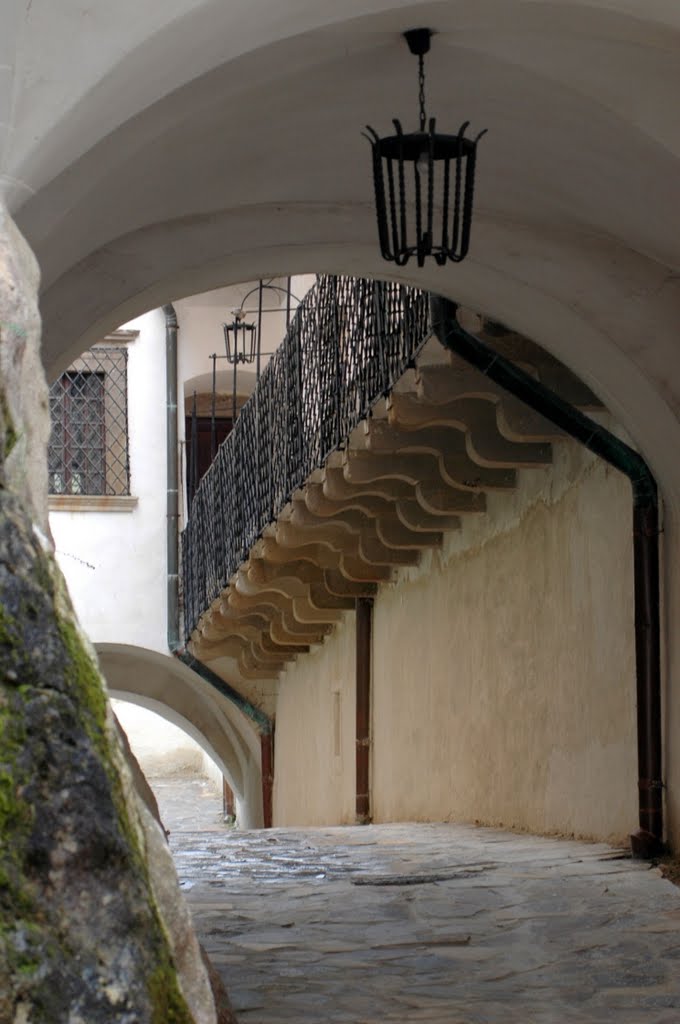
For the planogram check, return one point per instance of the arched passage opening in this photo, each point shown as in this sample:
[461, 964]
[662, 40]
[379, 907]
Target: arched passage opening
[563, 251]
[227, 673]
[165, 686]
[574, 244]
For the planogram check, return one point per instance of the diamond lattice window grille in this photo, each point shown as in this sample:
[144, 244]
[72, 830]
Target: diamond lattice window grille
[88, 449]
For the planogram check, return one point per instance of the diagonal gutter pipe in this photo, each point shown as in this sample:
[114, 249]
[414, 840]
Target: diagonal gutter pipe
[258, 717]
[648, 840]
[263, 722]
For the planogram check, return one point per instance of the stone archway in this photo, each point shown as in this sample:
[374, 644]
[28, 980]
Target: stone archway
[169, 688]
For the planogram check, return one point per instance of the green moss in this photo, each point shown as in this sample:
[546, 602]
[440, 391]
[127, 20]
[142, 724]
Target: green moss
[25, 943]
[10, 639]
[46, 574]
[167, 1003]
[16, 815]
[85, 684]
[86, 687]
[43, 659]
[11, 435]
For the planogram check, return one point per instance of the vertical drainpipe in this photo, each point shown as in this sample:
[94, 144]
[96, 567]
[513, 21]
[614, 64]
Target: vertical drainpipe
[364, 643]
[172, 509]
[267, 762]
[647, 841]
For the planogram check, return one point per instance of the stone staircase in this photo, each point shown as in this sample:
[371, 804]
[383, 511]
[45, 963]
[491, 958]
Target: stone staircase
[430, 453]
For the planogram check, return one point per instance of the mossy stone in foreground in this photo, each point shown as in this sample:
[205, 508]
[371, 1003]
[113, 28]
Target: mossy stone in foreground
[80, 937]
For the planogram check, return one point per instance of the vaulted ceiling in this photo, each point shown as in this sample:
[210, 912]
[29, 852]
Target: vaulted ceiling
[152, 151]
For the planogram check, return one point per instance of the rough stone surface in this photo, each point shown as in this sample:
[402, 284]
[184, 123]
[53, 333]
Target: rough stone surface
[201, 986]
[83, 887]
[444, 923]
[81, 937]
[24, 408]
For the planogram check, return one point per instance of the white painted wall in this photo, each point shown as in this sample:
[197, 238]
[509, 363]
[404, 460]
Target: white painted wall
[115, 562]
[200, 322]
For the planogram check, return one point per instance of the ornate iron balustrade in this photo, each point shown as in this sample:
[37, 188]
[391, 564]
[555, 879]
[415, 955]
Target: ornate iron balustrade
[348, 343]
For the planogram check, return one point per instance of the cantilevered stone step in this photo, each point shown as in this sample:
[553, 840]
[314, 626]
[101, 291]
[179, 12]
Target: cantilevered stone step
[412, 514]
[482, 419]
[440, 384]
[481, 440]
[549, 370]
[270, 645]
[428, 454]
[297, 606]
[446, 501]
[289, 546]
[375, 508]
[250, 667]
[458, 378]
[337, 488]
[290, 627]
[331, 581]
[422, 461]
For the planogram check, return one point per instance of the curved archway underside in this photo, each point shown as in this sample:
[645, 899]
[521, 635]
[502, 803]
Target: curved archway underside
[167, 687]
[212, 146]
[194, 145]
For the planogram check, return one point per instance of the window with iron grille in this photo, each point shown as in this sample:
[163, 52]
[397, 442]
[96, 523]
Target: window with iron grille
[88, 450]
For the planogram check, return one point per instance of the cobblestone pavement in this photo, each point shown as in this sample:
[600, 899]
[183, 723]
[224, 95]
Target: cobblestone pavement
[442, 923]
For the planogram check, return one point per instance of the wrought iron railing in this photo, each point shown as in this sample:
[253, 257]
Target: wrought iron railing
[348, 343]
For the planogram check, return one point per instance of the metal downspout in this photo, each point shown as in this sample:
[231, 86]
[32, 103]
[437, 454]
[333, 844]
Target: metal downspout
[259, 718]
[364, 629]
[648, 840]
[172, 509]
[262, 721]
[267, 763]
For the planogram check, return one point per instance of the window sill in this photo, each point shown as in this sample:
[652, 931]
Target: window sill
[92, 503]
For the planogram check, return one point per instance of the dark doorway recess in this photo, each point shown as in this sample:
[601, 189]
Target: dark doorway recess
[199, 447]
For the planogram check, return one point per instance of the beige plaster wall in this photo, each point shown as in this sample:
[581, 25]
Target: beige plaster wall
[504, 675]
[315, 730]
[504, 688]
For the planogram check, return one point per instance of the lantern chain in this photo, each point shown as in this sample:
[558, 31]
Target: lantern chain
[421, 89]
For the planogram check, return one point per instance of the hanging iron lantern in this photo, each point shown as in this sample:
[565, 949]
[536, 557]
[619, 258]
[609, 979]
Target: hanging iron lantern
[240, 339]
[240, 342]
[426, 174]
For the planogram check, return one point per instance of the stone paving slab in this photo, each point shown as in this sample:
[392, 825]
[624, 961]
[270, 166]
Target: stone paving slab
[443, 923]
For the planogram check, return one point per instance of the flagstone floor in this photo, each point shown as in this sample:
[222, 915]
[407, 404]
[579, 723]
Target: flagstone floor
[448, 924]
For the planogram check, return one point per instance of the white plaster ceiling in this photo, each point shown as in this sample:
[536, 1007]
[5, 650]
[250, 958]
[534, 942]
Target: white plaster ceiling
[156, 150]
